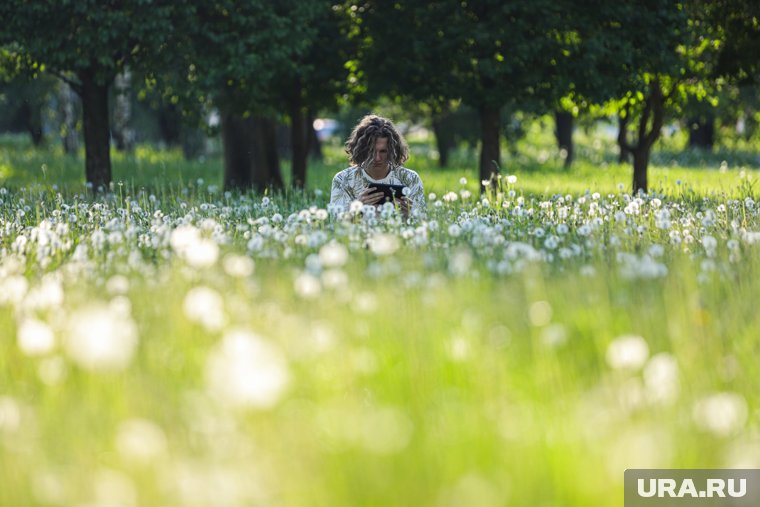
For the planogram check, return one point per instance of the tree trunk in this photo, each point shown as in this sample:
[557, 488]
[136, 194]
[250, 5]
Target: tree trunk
[266, 160]
[169, 124]
[640, 166]
[237, 145]
[96, 132]
[444, 140]
[624, 154]
[68, 115]
[31, 117]
[123, 134]
[490, 120]
[250, 153]
[702, 132]
[654, 110]
[298, 139]
[564, 133]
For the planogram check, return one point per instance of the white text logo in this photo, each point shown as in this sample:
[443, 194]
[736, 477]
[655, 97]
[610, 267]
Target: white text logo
[716, 488]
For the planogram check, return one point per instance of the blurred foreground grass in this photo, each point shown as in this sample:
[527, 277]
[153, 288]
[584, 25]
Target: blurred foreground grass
[441, 392]
[202, 350]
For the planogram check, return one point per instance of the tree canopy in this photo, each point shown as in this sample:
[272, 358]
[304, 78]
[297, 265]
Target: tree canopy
[87, 43]
[260, 61]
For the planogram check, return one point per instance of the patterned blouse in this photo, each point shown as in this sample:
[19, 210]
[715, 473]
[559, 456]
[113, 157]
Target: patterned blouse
[349, 183]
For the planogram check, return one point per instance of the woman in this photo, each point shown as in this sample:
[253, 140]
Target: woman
[377, 152]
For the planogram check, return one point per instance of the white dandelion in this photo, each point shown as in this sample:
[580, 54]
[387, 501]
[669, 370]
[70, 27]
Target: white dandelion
[35, 337]
[204, 306]
[721, 414]
[333, 255]
[245, 370]
[99, 339]
[628, 352]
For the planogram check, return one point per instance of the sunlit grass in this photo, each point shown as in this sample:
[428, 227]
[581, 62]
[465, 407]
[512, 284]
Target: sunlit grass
[674, 171]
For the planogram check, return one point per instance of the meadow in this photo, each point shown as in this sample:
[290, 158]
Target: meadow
[170, 343]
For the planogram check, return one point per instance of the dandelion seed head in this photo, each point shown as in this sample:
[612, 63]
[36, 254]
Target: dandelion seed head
[333, 255]
[661, 378]
[48, 294]
[356, 207]
[709, 242]
[203, 254]
[247, 371]
[384, 244]
[35, 337]
[238, 266]
[307, 285]
[98, 339]
[627, 352]
[204, 306]
[184, 237]
[458, 348]
[721, 414]
[553, 336]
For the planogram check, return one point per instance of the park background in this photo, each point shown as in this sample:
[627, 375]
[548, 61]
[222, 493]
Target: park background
[185, 323]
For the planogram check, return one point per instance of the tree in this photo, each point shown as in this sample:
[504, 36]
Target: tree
[734, 28]
[488, 53]
[641, 59]
[229, 54]
[23, 100]
[316, 78]
[700, 123]
[87, 43]
[243, 57]
[736, 24]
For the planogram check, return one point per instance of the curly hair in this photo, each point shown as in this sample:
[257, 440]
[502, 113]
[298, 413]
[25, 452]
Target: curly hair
[361, 143]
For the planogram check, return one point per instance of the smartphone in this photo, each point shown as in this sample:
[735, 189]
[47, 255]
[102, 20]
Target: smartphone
[390, 191]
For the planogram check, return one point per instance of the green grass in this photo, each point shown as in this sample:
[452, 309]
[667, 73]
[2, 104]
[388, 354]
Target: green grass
[471, 363]
[535, 160]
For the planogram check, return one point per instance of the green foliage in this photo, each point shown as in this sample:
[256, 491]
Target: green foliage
[23, 104]
[69, 38]
[484, 53]
[249, 56]
[735, 24]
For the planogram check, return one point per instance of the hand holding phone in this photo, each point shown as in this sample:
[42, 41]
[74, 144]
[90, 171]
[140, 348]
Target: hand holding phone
[389, 191]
